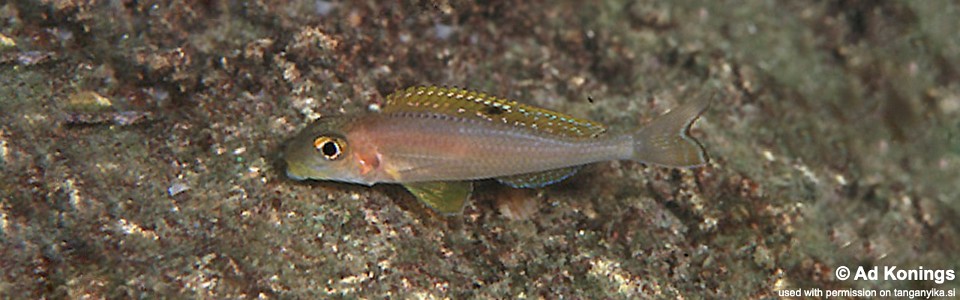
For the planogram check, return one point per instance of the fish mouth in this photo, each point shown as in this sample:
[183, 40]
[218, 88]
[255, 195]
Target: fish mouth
[296, 172]
[294, 176]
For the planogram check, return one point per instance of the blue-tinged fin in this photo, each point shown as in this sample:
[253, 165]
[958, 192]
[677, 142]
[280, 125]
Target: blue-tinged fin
[444, 197]
[475, 105]
[539, 179]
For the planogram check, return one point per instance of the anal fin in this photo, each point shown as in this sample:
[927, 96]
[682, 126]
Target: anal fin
[538, 179]
[443, 197]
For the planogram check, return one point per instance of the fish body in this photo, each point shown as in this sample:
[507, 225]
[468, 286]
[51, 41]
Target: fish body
[434, 140]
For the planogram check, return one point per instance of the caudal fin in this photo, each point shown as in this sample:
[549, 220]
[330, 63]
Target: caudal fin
[665, 141]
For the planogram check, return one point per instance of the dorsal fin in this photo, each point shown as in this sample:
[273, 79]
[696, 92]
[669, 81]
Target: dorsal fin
[480, 106]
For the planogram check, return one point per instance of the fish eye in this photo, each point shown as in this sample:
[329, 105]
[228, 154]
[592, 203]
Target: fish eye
[331, 148]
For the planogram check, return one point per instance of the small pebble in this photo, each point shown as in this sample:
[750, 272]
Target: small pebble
[177, 188]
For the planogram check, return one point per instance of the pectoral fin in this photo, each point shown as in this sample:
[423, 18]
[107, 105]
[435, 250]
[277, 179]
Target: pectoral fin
[444, 197]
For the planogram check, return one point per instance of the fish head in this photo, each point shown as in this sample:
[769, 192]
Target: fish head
[323, 151]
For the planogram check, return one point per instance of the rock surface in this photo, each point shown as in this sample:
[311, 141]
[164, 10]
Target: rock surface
[139, 145]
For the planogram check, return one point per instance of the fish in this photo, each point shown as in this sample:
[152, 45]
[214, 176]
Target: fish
[436, 141]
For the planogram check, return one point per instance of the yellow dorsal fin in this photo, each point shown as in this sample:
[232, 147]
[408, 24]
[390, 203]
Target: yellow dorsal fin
[480, 106]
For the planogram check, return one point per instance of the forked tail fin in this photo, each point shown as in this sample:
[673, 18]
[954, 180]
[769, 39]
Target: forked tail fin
[665, 141]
